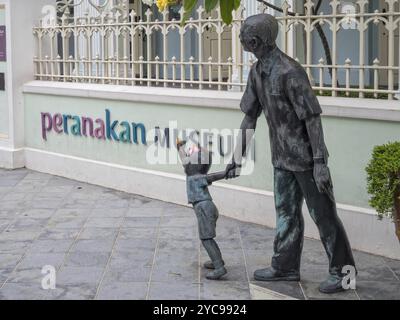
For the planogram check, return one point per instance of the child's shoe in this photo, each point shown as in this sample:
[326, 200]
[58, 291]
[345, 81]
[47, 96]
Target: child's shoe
[216, 274]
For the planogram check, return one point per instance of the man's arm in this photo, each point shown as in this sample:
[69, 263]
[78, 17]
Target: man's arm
[246, 133]
[321, 172]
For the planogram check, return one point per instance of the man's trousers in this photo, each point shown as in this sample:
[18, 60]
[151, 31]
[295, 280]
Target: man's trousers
[291, 188]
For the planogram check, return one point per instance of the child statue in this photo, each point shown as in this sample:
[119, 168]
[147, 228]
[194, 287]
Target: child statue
[197, 162]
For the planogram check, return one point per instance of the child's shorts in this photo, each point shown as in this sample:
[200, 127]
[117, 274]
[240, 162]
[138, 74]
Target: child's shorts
[207, 215]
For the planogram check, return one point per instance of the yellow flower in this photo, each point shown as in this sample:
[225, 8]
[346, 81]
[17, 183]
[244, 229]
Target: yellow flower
[162, 4]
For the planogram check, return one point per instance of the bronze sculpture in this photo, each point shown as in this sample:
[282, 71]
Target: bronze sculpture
[279, 87]
[197, 162]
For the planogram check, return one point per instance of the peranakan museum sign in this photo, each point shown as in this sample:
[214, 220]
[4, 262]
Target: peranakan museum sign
[3, 55]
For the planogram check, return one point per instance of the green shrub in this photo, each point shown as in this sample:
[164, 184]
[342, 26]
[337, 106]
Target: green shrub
[384, 178]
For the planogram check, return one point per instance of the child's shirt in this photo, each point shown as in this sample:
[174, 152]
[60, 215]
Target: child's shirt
[197, 188]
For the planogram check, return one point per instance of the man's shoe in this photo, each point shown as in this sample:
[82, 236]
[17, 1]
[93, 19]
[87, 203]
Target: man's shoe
[216, 274]
[209, 265]
[270, 274]
[332, 285]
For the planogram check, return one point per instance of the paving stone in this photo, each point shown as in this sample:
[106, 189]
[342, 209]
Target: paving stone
[128, 274]
[97, 245]
[122, 291]
[224, 290]
[77, 276]
[130, 245]
[288, 288]
[109, 212]
[89, 233]
[22, 291]
[136, 222]
[372, 268]
[312, 293]
[394, 265]
[38, 213]
[32, 260]
[66, 222]
[78, 203]
[18, 196]
[4, 223]
[144, 212]
[58, 234]
[26, 223]
[378, 290]
[87, 259]
[51, 246]
[138, 258]
[72, 292]
[104, 222]
[179, 221]
[182, 291]
[178, 233]
[9, 261]
[138, 233]
[13, 246]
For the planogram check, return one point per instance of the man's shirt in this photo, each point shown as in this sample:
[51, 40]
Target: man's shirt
[279, 86]
[197, 188]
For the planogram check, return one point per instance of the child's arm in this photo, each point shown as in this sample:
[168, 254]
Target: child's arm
[212, 177]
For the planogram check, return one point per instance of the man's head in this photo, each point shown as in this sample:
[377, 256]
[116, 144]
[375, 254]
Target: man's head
[259, 33]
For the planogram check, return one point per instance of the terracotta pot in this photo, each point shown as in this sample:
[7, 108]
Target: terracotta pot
[396, 213]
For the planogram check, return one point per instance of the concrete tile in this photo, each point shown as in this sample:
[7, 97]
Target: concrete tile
[312, 293]
[144, 212]
[19, 234]
[288, 288]
[127, 274]
[7, 182]
[18, 196]
[106, 203]
[109, 212]
[372, 268]
[378, 290]
[224, 290]
[97, 245]
[66, 222]
[141, 258]
[51, 246]
[77, 276]
[4, 223]
[178, 245]
[122, 291]
[26, 223]
[72, 213]
[87, 259]
[178, 233]
[131, 245]
[179, 221]
[104, 222]
[176, 266]
[38, 213]
[72, 292]
[9, 260]
[394, 265]
[32, 260]
[138, 233]
[22, 291]
[90, 233]
[58, 234]
[178, 211]
[138, 222]
[27, 275]
[78, 204]
[182, 291]
[14, 247]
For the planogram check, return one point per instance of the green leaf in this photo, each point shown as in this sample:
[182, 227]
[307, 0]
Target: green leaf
[211, 4]
[236, 4]
[188, 6]
[227, 7]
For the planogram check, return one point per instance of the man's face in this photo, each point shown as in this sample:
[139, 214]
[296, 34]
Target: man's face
[247, 40]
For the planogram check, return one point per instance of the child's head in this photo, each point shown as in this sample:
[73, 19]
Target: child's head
[195, 160]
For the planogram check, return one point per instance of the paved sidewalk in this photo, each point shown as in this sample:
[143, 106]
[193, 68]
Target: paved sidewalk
[107, 244]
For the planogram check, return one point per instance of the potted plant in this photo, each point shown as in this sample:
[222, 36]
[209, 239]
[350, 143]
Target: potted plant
[384, 182]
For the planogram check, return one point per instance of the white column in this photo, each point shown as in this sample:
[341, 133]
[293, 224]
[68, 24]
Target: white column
[21, 16]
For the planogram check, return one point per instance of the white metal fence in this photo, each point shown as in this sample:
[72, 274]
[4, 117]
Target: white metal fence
[120, 46]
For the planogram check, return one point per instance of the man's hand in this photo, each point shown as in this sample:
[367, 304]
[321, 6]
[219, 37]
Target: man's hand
[323, 179]
[231, 170]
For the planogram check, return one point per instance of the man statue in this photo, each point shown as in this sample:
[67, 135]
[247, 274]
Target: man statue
[279, 87]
